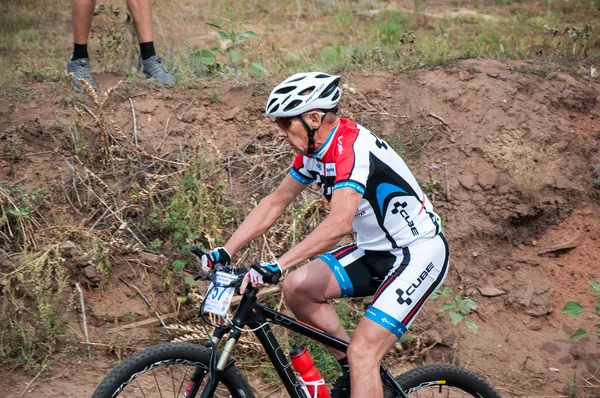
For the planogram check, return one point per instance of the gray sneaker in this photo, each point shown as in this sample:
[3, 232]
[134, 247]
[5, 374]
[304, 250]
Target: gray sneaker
[80, 68]
[153, 67]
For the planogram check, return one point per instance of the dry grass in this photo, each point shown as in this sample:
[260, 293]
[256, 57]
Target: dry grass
[530, 166]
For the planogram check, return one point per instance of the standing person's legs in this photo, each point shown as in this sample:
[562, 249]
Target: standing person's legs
[79, 64]
[149, 62]
[141, 11]
[82, 13]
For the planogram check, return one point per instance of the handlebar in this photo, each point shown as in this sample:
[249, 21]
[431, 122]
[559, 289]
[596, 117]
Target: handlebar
[238, 271]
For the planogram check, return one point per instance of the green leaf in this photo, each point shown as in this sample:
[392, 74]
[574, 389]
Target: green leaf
[181, 299]
[177, 236]
[235, 56]
[251, 34]
[456, 318]
[470, 304]
[178, 265]
[596, 287]
[579, 334]
[572, 308]
[224, 35]
[471, 325]
[189, 280]
[156, 243]
[205, 56]
[259, 69]
[215, 25]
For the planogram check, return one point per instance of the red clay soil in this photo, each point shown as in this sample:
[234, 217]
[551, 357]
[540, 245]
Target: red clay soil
[470, 127]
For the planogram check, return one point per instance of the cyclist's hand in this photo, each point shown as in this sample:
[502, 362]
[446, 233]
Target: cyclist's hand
[269, 272]
[217, 256]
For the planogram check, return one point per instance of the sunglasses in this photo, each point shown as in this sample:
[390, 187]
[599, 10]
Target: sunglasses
[284, 123]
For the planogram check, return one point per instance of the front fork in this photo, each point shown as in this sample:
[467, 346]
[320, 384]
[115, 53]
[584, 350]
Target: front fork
[223, 362]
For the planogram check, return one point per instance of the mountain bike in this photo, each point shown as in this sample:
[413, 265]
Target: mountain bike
[191, 370]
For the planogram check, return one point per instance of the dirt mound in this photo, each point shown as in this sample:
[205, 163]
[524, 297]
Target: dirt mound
[505, 149]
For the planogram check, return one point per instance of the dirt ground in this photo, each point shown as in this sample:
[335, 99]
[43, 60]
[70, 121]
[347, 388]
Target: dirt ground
[468, 129]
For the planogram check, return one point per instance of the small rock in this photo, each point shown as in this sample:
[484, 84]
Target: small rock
[229, 115]
[553, 370]
[491, 291]
[535, 324]
[475, 254]
[190, 117]
[91, 272]
[146, 106]
[487, 179]
[467, 181]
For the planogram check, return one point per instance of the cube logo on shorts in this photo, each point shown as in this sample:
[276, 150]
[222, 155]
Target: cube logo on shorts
[411, 289]
[401, 299]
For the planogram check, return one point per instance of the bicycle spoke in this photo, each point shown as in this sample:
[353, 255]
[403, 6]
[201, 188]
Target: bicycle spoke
[141, 389]
[172, 381]
[183, 380]
[157, 386]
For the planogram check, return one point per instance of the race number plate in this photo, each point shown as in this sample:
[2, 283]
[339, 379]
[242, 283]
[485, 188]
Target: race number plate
[219, 298]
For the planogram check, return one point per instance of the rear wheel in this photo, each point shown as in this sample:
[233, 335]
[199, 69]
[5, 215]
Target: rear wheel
[444, 381]
[166, 371]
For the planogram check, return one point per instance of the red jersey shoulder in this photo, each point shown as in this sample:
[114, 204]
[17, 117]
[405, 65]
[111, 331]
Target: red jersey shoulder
[344, 149]
[298, 162]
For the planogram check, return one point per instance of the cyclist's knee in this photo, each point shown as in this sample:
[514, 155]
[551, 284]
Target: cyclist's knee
[293, 286]
[360, 353]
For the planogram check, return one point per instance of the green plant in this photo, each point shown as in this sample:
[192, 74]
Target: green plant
[457, 308]
[597, 176]
[32, 310]
[17, 224]
[14, 142]
[230, 31]
[574, 309]
[573, 390]
[79, 145]
[214, 97]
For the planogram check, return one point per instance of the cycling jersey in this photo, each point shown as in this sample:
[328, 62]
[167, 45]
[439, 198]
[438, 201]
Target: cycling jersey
[393, 212]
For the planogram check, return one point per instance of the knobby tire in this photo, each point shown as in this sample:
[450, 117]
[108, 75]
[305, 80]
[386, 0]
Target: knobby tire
[165, 355]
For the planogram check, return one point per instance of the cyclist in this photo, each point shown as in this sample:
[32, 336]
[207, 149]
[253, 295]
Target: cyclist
[400, 256]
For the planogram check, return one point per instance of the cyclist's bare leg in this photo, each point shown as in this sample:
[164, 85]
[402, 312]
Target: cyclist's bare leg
[82, 12]
[141, 11]
[307, 290]
[370, 342]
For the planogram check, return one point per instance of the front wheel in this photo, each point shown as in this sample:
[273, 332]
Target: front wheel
[445, 381]
[166, 370]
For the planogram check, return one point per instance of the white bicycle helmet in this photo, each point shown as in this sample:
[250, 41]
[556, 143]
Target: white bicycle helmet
[304, 92]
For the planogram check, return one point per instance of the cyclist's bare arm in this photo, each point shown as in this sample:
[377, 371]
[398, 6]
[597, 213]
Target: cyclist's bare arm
[338, 223]
[265, 214]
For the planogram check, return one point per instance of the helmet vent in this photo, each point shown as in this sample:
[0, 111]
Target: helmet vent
[296, 80]
[322, 76]
[292, 105]
[327, 92]
[272, 102]
[307, 91]
[274, 109]
[285, 100]
[285, 90]
[336, 96]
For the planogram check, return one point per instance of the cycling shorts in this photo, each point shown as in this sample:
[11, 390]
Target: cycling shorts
[400, 281]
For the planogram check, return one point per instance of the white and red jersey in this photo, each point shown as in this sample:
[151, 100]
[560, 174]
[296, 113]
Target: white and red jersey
[394, 212]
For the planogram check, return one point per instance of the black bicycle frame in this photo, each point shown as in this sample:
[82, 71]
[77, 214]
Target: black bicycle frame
[258, 318]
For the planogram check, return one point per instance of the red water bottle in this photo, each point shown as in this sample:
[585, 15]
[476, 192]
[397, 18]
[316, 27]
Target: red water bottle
[309, 374]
